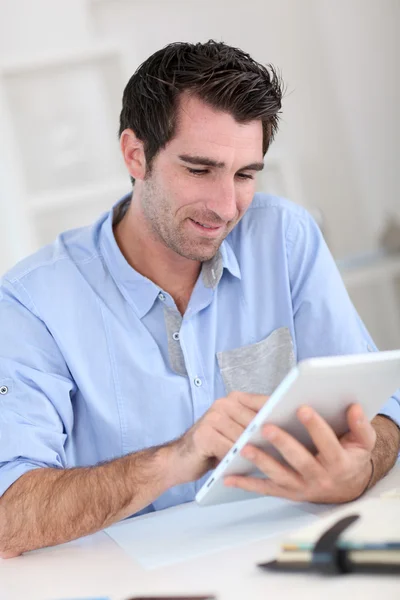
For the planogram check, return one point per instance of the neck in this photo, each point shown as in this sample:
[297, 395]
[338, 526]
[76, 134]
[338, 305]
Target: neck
[148, 255]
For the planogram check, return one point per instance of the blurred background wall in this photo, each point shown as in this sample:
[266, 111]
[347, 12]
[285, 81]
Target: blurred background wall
[63, 67]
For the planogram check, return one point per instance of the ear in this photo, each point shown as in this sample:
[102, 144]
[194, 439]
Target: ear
[133, 152]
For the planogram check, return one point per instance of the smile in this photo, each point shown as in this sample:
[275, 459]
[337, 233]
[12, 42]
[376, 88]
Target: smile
[206, 229]
[206, 226]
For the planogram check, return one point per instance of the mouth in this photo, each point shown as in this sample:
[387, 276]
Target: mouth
[206, 229]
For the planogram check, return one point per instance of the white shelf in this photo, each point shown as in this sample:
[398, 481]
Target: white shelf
[373, 283]
[51, 201]
[378, 269]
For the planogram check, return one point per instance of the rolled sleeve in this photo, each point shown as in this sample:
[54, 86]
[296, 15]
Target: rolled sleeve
[11, 471]
[35, 390]
[392, 409]
[325, 320]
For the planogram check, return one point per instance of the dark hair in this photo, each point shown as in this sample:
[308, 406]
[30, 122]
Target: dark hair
[226, 78]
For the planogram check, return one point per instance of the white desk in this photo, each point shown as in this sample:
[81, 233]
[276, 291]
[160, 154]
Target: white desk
[96, 566]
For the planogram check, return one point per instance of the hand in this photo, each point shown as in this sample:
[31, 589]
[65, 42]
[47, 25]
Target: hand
[203, 446]
[339, 472]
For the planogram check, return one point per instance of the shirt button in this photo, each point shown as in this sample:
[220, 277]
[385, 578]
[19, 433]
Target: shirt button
[370, 348]
[3, 389]
[161, 296]
[176, 336]
[197, 381]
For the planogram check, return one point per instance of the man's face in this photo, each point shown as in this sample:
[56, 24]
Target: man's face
[203, 181]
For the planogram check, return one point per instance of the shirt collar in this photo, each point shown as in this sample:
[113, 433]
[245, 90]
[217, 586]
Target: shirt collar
[141, 290]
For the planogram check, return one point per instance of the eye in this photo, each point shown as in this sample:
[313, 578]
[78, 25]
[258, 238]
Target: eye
[197, 171]
[244, 176]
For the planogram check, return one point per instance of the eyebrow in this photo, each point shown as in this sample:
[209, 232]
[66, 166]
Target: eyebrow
[209, 162]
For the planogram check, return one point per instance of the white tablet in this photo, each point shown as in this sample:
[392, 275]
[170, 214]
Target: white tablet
[329, 385]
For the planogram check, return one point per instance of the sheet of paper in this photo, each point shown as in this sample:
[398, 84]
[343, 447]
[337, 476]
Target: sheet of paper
[186, 531]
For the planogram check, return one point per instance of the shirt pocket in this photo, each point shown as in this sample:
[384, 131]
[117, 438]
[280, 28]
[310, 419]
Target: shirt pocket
[258, 368]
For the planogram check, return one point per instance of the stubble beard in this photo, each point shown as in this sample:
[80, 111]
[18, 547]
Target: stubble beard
[158, 214]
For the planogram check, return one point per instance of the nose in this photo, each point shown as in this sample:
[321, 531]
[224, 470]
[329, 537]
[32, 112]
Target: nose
[222, 200]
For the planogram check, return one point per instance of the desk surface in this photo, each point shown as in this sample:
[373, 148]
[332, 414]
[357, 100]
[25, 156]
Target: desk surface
[96, 566]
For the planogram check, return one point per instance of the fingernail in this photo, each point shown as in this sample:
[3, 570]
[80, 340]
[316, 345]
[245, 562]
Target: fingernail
[305, 413]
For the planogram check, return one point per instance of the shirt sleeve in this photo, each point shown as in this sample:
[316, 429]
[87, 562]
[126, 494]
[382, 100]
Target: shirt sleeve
[325, 320]
[35, 389]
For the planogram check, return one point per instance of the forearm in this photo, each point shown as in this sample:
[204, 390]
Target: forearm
[387, 447]
[51, 506]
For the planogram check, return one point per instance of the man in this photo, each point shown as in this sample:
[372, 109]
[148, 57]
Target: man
[135, 352]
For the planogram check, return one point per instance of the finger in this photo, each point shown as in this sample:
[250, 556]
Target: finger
[219, 445]
[240, 414]
[295, 454]
[250, 484]
[253, 401]
[223, 424]
[363, 431]
[264, 487]
[325, 439]
[280, 475]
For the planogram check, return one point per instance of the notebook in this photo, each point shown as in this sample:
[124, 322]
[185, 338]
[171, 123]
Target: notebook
[363, 536]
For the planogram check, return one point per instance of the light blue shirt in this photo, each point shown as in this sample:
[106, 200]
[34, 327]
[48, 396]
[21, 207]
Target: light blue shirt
[96, 361]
